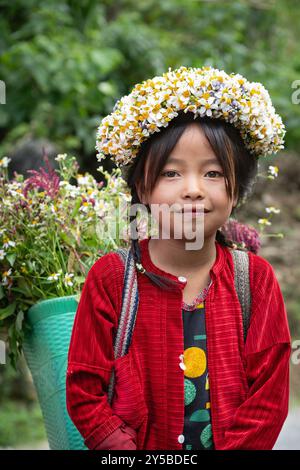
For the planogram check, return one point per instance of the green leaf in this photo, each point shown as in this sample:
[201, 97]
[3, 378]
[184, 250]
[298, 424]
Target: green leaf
[11, 258]
[23, 287]
[7, 311]
[14, 349]
[2, 295]
[31, 265]
[107, 88]
[76, 208]
[67, 239]
[19, 320]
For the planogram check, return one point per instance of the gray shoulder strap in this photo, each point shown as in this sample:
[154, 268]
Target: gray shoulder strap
[129, 308]
[242, 285]
[130, 300]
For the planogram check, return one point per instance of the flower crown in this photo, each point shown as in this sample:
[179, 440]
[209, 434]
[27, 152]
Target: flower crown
[205, 91]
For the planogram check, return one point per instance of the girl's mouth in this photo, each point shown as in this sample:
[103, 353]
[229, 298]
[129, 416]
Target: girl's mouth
[197, 211]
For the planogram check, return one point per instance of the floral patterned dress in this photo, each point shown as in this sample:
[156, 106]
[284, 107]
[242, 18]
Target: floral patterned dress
[197, 433]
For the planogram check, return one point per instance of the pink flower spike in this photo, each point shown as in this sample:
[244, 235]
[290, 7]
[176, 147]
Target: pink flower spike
[48, 181]
[243, 235]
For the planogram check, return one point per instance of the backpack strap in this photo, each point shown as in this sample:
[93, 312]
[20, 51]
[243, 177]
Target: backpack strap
[242, 285]
[130, 301]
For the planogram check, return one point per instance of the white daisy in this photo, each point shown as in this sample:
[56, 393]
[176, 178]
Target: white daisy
[68, 279]
[272, 210]
[54, 276]
[4, 162]
[264, 222]
[7, 243]
[273, 171]
[61, 157]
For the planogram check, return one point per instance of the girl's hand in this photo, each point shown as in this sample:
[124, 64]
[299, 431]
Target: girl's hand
[123, 438]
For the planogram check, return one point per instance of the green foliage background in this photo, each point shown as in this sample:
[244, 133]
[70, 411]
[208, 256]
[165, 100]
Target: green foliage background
[65, 63]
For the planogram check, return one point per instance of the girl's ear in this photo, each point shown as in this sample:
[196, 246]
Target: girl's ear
[235, 201]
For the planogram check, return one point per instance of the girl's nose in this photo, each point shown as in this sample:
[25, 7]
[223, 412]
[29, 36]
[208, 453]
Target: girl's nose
[193, 188]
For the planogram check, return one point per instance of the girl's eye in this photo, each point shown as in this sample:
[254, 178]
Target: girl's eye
[163, 174]
[173, 172]
[221, 174]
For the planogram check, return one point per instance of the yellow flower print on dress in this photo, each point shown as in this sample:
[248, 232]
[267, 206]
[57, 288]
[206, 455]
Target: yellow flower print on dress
[195, 362]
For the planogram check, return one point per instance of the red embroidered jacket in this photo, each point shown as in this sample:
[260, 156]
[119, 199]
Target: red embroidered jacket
[249, 384]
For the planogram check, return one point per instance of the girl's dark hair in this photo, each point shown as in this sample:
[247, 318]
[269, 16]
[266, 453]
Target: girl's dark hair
[238, 165]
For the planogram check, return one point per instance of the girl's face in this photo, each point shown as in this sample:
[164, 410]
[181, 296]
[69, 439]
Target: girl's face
[193, 176]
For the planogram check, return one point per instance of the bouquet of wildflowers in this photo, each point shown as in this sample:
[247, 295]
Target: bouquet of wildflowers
[52, 231]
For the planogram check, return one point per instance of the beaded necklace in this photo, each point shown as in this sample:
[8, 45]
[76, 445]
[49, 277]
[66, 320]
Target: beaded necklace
[199, 299]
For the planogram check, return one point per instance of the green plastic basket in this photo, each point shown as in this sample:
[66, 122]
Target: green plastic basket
[46, 352]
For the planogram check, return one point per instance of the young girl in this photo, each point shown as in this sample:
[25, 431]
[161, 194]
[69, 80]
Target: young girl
[189, 381]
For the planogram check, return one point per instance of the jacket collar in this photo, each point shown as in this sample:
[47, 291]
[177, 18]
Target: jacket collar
[150, 266]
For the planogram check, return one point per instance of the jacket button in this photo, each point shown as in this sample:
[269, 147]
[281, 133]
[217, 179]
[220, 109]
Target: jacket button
[182, 279]
[181, 439]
